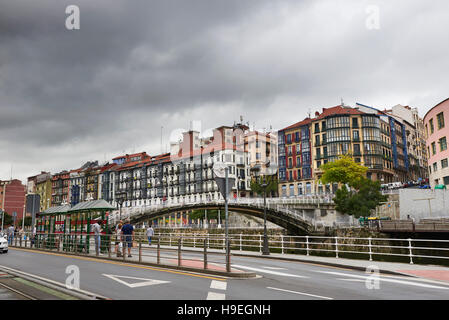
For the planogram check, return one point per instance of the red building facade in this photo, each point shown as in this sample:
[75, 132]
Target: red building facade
[13, 197]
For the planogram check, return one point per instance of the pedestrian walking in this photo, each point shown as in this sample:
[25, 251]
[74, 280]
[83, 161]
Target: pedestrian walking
[33, 236]
[10, 232]
[118, 239]
[128, 234]
[150, 234]
[97, 235]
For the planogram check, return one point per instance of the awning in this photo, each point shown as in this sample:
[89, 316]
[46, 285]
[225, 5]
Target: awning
[56, 210]
[440, 186]
[95, 205]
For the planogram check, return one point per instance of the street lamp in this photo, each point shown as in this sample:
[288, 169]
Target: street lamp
[120, 201]
[264, 182]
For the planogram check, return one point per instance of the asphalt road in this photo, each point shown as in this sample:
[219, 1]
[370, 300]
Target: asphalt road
[277, 280]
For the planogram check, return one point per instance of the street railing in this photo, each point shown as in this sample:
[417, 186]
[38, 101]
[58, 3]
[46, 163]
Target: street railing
[165, 250]
[359, 248]
[170, 248]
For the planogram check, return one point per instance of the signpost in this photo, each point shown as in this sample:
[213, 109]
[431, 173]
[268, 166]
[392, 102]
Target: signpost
[221, 177]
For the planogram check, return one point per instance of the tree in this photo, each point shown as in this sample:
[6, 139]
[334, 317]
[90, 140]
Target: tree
[8, 219]
[28, 221]
[272, 185]
[359, 202]
[344, 170]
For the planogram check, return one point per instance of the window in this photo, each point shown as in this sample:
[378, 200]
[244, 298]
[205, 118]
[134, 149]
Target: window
[446, 180]
[434, 148]
[298, 162]
[318, 164]
[435, 166]
[355, 123]
[355, 135]
[317, 127]
[431, 126]
[444, 163]
[440, 120]
[443, 144]
[317, 140]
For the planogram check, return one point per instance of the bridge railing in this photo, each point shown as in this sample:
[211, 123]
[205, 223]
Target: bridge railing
[278, 204]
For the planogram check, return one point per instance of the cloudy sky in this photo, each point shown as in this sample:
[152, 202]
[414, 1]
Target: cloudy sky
[70, 96]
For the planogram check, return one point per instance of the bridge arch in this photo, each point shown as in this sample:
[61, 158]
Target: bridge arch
[294, 224]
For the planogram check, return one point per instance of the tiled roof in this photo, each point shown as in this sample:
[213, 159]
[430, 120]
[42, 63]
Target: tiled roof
[337, 110]
[304, 122]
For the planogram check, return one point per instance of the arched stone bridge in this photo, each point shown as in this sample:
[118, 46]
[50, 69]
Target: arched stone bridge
[295, 215]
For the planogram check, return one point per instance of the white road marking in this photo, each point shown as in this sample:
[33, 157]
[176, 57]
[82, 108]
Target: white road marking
[220, 285]
[216, 296]
[275, 268]
[386, 280]
[268, 271]
[352, 280]
[301, 293]
[146, 282]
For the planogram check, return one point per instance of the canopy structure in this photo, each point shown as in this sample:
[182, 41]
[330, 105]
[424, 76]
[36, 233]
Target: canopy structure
[56, 210]
[95, 205]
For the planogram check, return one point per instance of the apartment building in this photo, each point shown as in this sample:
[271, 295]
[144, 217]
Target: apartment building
[437, 135]
[44, 190]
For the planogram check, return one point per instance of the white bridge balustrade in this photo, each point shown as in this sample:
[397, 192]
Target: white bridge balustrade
[282, 205]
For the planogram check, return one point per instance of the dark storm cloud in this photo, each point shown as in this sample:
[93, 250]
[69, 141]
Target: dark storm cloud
[72, 96]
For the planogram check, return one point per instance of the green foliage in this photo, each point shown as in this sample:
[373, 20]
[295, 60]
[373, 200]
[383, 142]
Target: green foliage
[8, 219]
[359, 202]
[272, 181]
[211, 214]
[344, 170]
[27, 222]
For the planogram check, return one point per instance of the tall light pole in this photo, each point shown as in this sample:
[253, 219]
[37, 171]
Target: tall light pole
[264, 183]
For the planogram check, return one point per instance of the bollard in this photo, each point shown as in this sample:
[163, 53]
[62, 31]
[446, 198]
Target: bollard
[20, 241]
[370, 252]
[228, 256]
[336, 247]
[124, 250]
[158, 250]
[205, 254]
[179, 252]
[307, 244]
[140, 251]
[260, 243]
[109, 246]
[282, 243]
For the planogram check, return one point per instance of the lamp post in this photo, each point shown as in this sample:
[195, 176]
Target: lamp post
[120, 203]
[264, 183]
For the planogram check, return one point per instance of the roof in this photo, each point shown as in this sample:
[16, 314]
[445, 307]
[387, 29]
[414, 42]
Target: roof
[304, 122]
[95, 205]
[435, 107]
[56, 210]
[337, 110]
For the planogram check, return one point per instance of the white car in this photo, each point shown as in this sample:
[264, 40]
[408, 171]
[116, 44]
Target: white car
[3, 243]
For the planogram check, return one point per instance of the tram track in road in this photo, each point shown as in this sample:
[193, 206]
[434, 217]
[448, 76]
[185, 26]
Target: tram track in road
[18, 292]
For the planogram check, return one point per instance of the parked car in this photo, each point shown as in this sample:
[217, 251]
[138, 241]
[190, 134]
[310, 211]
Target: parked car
[3, 242]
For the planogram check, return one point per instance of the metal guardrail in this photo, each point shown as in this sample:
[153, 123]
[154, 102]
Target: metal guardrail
[161, 252]
[165, 244]
[370, 247]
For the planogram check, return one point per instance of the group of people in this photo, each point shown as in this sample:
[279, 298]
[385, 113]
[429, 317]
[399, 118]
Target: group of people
[12, 232]
[124, 235]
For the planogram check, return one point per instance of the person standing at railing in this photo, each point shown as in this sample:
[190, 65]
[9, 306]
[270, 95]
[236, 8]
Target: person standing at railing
[10, 232]
[150, 234]
[118, 239]
[97, 235]
[128, 234]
